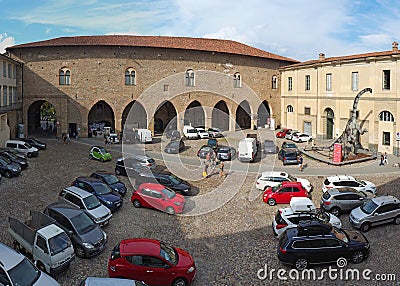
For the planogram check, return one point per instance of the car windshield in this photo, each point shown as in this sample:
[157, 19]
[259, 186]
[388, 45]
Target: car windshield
[174, 180]
[170, 194]
[269, 143]
[59, 243]
[191, 131]
[173, 144]
[151, 161]
[91, 202]
[340, 234]
[83, 223]
[168, 253]
[102, 189]
[24, 273]
[111, 179]
[6, 160]
[369, 206]
[12, 156]
[290, 145]
[102, 151]
[223, 150]
[274, 189]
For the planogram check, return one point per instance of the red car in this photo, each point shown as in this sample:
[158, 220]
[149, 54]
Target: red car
[282, 133]
[284, 192]
[157, 196]
[152, 262]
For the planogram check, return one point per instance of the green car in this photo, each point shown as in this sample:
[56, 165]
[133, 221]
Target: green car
[99, 153]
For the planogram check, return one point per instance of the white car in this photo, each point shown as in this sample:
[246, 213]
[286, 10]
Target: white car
[272, 179]
[215, 132]
[114, 138]
[202, 133]
[301, 137]
[301, 209]
[290, 134]
[341, 181]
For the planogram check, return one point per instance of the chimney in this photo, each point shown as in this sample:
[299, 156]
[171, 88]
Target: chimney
[321, 56]
[395, 46]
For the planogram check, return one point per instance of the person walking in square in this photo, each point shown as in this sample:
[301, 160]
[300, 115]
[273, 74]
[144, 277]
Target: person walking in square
[300, 162]
[385, 159]
[382, 158]
[221, 170]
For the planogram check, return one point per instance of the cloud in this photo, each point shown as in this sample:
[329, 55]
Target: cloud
[5, 41]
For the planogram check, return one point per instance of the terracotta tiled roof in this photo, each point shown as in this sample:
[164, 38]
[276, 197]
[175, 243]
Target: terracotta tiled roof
[199, 44]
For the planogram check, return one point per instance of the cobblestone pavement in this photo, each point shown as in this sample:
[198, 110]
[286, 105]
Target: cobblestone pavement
[229, 244]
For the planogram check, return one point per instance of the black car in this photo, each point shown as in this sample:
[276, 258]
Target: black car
[129, 167]
[111, 180]
[174, 147]
[289, 145]
[168, 180]
[313, 242]
[23, 162]
[102, 191]
[9, 168]
[86, 235]
[35, 143]
[173, 135]
[288, 156]
[225, 153]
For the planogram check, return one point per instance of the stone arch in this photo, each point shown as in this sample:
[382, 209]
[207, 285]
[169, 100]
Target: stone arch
[134, 116]
[328, 123]
[263, 114]
[101, 113]
[42, 118]
[194, 114]
[220, 116]
[165, 117]
[243, 115]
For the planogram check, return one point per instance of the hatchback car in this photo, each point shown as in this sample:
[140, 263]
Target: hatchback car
[288, 156]
[159, 197]
[111, 180]
[102, 191]
[215, 132]
[343, 199]
[226, 153]
[128, 167]
[9, 168]
[272, 179]
[284, 192]
[169, 180]
[86, 235]
[290, 145]
[151, 261]
[23, 162]
[202, 132]
[204, 150]
[269, 147]
[35, 143]
[84, 200]
[289, 134]
[281, 133]
[376, 211]
[174, 147]
[301, 137]
[99, 153]
[145, 161]
[341, 181]
[312, 243]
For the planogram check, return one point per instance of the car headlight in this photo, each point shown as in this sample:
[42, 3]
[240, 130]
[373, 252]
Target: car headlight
[336, 223]
[88, 245]
[185, 191]
[190, 270]
[105, 234]
[178, 204]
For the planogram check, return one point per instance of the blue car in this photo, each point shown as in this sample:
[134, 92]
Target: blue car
[111, 180]
[102, 191]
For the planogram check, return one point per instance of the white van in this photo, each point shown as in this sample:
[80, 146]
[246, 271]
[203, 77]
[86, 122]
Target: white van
[247, 149]
[22, 147]
[143, 135]
[190, 132]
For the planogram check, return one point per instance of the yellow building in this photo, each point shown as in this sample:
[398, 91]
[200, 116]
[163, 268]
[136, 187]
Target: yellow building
[318, 96]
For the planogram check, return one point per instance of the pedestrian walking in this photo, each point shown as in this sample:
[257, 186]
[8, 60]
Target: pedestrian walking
[300, 162]
[385, 159]
[221, 170]
[205, 174]
[67, 139]
[382, 158]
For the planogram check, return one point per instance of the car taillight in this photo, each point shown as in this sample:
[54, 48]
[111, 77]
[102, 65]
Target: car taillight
[148, 164]
[327, 203]
[329, 187]
[282, 225]
[283, 251]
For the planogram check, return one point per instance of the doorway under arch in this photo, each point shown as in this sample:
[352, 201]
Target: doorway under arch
[165, 118]
[42, 119]
[263, 114]
[329, 124]
[220, 116]
[243, 115]
[101, 115]
[134, 116]
[194, 115]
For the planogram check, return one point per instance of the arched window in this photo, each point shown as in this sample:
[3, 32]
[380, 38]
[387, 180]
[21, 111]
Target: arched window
[130, 77]
[386, 116]
[65, 76]
[289, 108]
[237, 80]
[189, 78]
[274, 82]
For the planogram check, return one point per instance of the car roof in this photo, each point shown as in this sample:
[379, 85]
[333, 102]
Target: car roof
[224, 147]
[275, 174]
[89, 180]
[79, 192]
[385, 199]
[339, 178]
[342, 190]
[140, 246]
[9, 257]
[152, 186]
[65, 209]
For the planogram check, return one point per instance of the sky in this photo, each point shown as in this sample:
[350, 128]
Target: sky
[298, 29]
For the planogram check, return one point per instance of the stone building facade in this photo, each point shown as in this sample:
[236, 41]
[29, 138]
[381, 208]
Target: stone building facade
[148, 82]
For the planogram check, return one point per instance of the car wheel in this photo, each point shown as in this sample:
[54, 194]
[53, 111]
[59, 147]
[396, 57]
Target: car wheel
[79, 251]
[397, 220]
[179, 282]
[301, 264]
[335, 211]
[102, 159]
[29, 155]
[17, 246]
[117, 172]
[300, 141]
[91, 157]
[365, 227]
[137, 204]
[41, 266]
[271, 202]
[8, 174]
[358, 256]
[170, 210]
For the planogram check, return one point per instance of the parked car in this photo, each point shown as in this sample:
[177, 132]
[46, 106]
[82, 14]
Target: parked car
[14, 152]
[284, 192]
[145, 161]
[35, 143]
[204, 150]
[190, 132]
[343, 199]
[215, 132]
[289, 145]
[86, 235]
[128, 167]
[174, 147]
[376, 211]
[340, 181]
[23, 162]
[9, 168]
[272, 179]
[151, 261]
[301, 137]
[159, 197]
[99, 153]
[303, 246]
[102, 191]
[203, 133]
[213, 143]
[111, 180]
[173, 135]
[114, 138]
[18, 270]
[301, 209]
[288, 156]
[290, 133]
[270, 147]
[101, 281]
[84, 200]
[281, 133]
[22, 147]
[226, 153]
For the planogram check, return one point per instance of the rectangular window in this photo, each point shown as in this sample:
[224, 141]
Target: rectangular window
[10, 93]
[9, 71]
[386, 138]
[15, 95]
[307, 110]
[386, 79]
[354, 81]
[5, 95]
[328, 82]
[308, 82]
[290, 83]
[4, 69]
[15, 72]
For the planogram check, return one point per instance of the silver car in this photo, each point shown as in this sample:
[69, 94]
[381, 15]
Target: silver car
[376, 211]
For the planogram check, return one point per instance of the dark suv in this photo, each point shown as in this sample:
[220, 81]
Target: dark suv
[23, 162]
[111, 180]
[8, 168]
[313, 242]
[102, 191]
